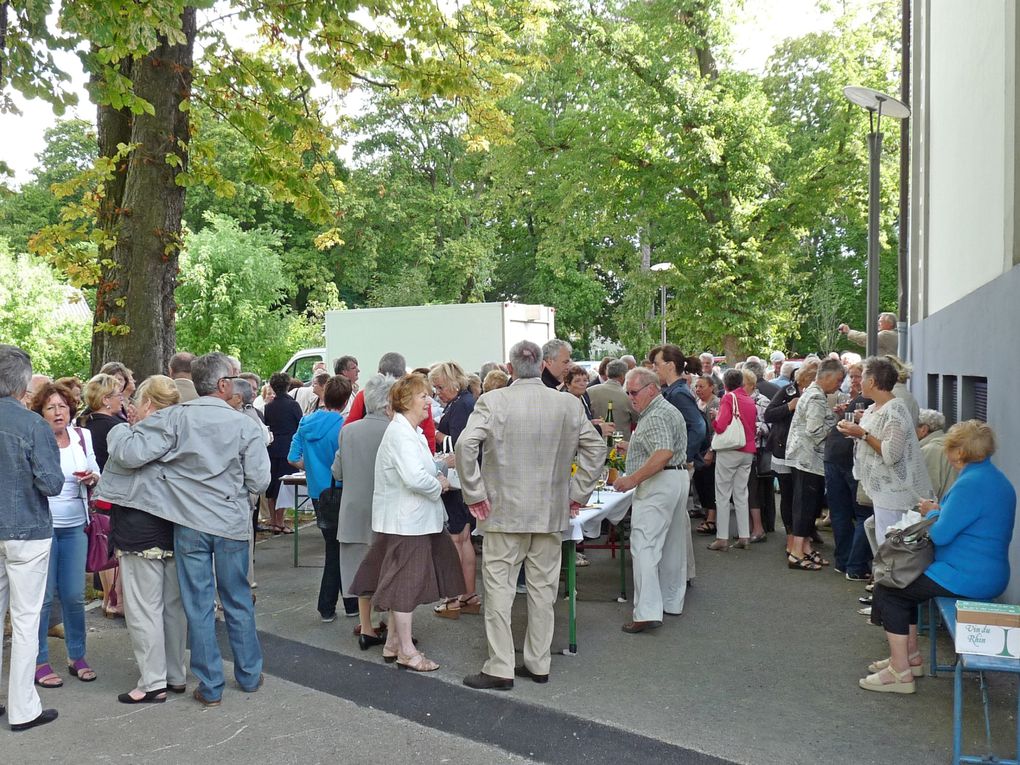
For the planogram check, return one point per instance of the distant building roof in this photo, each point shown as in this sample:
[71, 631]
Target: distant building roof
[74, 308]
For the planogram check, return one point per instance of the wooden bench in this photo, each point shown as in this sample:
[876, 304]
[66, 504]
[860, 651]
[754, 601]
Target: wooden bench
[965, 662]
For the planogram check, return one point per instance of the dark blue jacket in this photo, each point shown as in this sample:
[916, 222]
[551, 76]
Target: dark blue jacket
[680, 395]
[29, 472]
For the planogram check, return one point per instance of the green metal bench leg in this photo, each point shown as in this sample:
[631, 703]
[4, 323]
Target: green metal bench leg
[295, 530]
[623, 567]
[571, 553]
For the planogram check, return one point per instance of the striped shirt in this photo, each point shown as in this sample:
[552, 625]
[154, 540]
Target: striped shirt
[660, 426]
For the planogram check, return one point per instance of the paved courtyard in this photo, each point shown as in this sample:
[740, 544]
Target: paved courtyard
[761, 668]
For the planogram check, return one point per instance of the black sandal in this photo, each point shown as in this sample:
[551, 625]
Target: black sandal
[814, 557]
[157, 696]
[707, 527]
[801, 564]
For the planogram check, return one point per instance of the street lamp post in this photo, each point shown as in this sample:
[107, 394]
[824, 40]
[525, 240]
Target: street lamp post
[660, 267]
[877, 104]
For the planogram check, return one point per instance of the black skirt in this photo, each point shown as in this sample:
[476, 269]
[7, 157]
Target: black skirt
[401, 573]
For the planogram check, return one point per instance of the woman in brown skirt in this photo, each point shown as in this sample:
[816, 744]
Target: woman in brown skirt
[412, 560]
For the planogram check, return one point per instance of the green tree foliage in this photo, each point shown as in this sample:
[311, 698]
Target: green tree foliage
[34, 315]
[231, 297]
[819, 205]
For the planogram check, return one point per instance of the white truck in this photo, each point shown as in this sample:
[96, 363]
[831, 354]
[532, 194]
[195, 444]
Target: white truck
[468, 333]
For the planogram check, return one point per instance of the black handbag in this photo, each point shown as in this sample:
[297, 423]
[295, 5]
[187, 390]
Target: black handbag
[327, 514]
[904, 555]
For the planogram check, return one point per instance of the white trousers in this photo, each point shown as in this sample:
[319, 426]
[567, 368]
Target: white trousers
[660, 532]
[24, 566]
[732, 469]
[884, 519]
[155, 620]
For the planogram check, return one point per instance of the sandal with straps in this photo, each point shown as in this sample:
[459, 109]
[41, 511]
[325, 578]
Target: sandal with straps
[801, 564]
[471, 604]
[814, 557]
[81, 669]
[446, 610]
[45, 677]
[917, 670]
[903, 682]
[417, 662]
[706, 527]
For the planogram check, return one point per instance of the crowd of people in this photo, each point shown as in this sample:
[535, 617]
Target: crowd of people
[407, 470]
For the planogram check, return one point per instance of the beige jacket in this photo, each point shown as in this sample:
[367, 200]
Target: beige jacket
[942, 474]
[624, 417]
[888, 340]
[527, 435]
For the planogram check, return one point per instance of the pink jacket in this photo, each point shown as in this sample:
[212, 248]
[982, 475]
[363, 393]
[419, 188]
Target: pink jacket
[748, 417]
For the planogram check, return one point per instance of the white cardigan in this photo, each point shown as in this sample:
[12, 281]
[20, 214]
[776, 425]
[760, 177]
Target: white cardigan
[406, 499]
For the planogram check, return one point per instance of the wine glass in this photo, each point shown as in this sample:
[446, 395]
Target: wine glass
[600, 484]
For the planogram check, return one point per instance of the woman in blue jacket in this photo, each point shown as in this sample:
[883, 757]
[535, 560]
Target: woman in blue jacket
[312, 449]
[972, 533]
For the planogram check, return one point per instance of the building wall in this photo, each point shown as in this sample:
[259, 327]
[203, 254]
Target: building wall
[967, 152]
[965, 288]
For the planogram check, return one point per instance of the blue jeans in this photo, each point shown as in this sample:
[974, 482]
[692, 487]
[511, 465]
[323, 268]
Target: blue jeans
[66, 578]
[853, 553]
[195, 552]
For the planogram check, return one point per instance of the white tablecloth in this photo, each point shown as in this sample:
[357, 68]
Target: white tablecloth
[588, 523]
[288, 494]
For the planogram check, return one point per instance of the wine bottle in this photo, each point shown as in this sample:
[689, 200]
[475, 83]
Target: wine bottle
[609, 418]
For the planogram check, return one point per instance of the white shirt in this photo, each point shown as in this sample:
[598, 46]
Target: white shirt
[407, 492]
[68, 507]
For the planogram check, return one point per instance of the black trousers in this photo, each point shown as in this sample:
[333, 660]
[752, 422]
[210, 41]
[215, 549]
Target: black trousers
[329, 587]
[786, 500]
[895, 610]
[808, 492]
[704, 484]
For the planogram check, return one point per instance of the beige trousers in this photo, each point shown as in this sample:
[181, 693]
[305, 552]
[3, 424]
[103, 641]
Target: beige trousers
[155, 620]
[659, 538]
[502, 556]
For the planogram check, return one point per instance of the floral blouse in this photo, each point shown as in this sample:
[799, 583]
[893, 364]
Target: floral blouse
[897, 478]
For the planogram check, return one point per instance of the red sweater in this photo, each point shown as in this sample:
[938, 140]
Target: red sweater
[748, 417]
[428, 425]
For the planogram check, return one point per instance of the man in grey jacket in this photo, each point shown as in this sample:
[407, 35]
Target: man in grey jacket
[194, 464]
[29, 473]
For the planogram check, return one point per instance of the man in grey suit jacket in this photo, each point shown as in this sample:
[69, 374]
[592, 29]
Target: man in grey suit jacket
[624, 415]
[523, 495]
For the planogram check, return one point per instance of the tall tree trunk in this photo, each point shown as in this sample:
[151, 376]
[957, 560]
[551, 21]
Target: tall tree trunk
[143, 212]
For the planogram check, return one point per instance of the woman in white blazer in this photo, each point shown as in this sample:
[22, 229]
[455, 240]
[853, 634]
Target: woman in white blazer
[412, 560]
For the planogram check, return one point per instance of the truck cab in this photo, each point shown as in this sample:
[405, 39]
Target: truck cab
[301, 363]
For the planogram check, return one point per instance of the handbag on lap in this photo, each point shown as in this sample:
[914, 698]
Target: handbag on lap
[904, 555]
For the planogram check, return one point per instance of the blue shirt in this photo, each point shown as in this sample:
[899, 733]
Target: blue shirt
[29, 472]
[972, 533]
[680, 395]
[315, 442]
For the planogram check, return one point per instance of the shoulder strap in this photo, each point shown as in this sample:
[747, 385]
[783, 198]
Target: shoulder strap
[736, 406]
[81, 440]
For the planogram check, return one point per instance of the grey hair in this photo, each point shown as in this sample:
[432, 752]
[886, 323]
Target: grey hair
[15, 371]
[830, 367]
[392, 364]
[377, 392]
[786, 371]
[932, 419]
[208, 370]
[552, 348]
[242, 388]
[644, 375]
[235, 364]
[706, 355]
[754, 364]
[487, 367]
[616, 369]
[628, 359]
[526, 359]
[889, 317]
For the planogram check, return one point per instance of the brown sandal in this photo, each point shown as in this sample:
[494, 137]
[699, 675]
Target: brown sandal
[446, 610]
[471, 605]
[417, 662]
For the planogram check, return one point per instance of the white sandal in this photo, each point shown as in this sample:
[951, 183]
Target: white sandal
[917, 670]
[417, 661]
[903, 682]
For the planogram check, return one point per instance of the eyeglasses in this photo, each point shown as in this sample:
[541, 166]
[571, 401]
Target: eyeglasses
[634, 393]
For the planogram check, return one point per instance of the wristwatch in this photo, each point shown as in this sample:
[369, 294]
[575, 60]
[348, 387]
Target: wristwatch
[864, 437]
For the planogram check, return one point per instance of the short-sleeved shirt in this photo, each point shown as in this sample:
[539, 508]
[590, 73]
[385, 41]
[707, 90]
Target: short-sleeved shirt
[660, 426]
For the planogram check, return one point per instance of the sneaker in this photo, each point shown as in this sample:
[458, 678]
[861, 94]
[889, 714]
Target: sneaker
[870, 587]
[865, 601]
[857, 577]
[582, 560]
[329, 619]
[866, 611]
